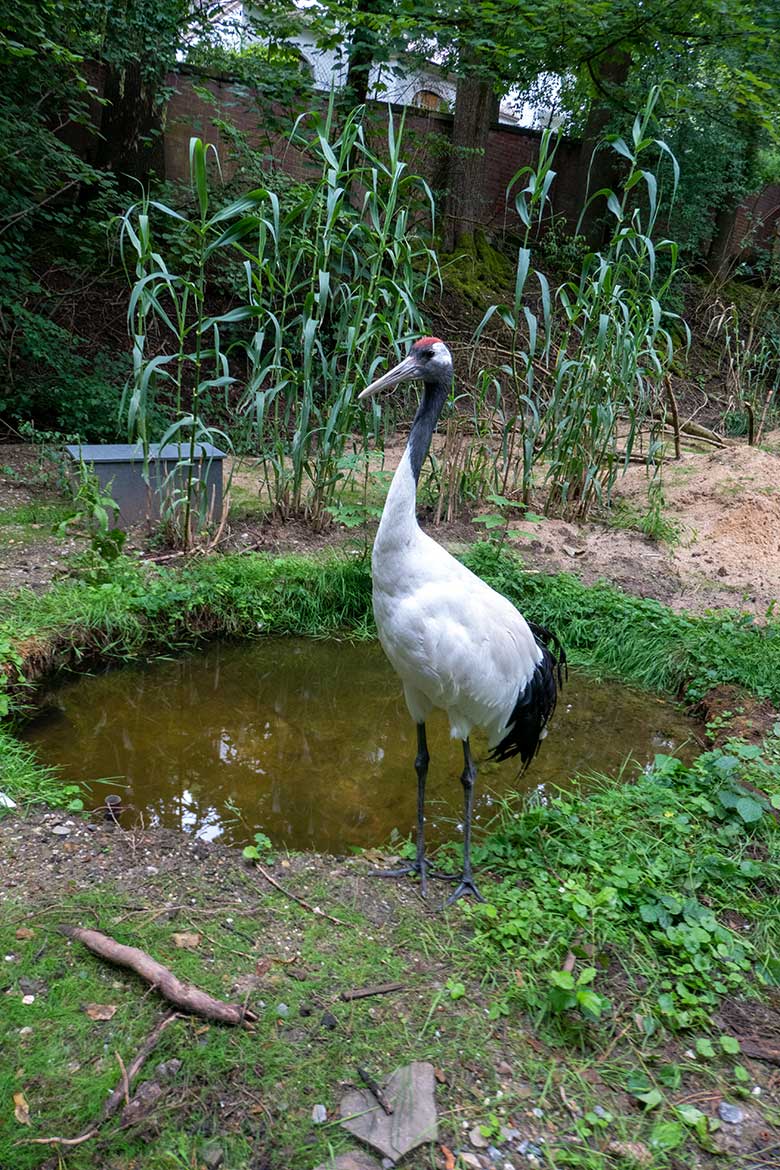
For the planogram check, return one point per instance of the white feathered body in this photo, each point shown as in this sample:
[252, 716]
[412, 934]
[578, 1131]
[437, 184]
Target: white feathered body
[455, 643]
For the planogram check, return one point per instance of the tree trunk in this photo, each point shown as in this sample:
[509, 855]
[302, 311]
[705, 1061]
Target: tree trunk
[476, 109]
[362, 48]
[722, 246]
[602, 168]
[129, 143]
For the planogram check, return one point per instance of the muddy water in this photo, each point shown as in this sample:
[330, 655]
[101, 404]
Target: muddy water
[311, 743]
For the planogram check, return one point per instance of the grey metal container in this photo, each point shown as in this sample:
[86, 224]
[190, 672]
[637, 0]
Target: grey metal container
[119, 468]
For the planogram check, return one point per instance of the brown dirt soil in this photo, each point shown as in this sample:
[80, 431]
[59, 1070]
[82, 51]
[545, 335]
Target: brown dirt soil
[729, 711]
[725, 504]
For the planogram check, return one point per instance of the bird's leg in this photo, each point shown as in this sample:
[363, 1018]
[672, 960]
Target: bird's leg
[468, 778]
[419, 865]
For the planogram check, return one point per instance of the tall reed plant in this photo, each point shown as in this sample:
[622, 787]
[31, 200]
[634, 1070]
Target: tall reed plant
[334, 283]
[582, 380]
[178, 354]
[331, 279]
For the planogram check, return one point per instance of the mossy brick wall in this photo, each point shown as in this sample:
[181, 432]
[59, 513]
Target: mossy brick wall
[198, 103]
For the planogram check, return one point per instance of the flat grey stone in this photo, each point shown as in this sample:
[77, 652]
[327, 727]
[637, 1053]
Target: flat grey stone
[213, 1156]
[352, 1160]
[411, 1091]
[477, 1140]
[731, 1114]
[319, 1114]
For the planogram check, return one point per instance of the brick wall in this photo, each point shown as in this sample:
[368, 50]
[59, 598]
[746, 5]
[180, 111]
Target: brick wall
[757, 223]
[198, 103]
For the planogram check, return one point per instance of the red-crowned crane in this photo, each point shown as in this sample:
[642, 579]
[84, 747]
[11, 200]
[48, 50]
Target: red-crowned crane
[455, 642]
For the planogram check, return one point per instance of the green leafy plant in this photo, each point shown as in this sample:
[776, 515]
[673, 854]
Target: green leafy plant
[261, 850]
[325, 285]
[497, 524]
[95, 511]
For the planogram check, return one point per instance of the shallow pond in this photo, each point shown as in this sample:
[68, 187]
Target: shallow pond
[310, 742]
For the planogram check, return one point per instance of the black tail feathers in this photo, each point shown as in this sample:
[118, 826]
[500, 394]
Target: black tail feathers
[535, 702]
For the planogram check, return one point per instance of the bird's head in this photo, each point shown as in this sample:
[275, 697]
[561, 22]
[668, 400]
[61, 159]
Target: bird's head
[428, 359]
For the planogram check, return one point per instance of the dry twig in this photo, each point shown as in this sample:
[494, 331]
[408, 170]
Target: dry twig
[376, 989]
[294, 897]
[120, 1093]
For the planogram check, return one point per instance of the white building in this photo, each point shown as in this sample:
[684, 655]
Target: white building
[406, 84]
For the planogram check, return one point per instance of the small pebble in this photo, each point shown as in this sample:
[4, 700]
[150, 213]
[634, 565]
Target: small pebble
[493, 1153]
[509, 1134]
[282, 1010]
[600, 1111]
[319, 1114]
[329, 1020]
[537, 1112]
[756, 1090]
[61, 831]
[503, 1069]
[387, 1164]
[213, 1156]
[732, 1114]
[28, 999]
[25, 1031]
[469, 1159]
[476, 1138]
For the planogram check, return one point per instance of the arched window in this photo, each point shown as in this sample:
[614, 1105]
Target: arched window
[428, 100]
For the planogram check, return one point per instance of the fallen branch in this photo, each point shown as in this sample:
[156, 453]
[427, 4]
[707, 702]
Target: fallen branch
[760, 1049]
[182, 995]
[119, 1094]
[375, 1089]
[294, 897]
[377, 989]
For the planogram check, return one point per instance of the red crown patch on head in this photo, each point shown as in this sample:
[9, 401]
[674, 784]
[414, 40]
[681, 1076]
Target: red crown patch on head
[427, 341]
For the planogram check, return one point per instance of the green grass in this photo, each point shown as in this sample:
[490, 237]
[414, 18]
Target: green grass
[26, 523]
[129, 609]
[36, 512]
[23, 778]
[658, 909]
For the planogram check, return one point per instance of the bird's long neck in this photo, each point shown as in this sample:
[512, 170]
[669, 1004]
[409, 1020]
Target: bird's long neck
[399, 519]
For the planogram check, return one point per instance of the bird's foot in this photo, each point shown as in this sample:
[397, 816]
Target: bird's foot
[420, 867]
[467, 886]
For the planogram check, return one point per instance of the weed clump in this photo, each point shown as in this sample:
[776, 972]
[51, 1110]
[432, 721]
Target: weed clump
[640, 892]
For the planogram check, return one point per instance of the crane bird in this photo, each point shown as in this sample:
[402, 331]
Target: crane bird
[455, 643]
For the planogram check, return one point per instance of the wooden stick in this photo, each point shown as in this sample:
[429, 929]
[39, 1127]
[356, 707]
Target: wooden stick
[375, 1089]
[125, 1078]
[119, 1093]
[760, 1049]
[182, 995]
[377, 989]
[306, 905]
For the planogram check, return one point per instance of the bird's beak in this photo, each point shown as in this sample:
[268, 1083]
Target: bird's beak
[403, 372]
